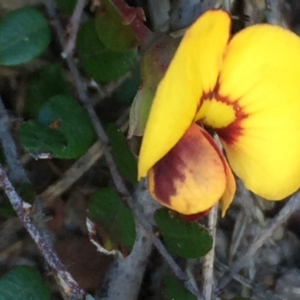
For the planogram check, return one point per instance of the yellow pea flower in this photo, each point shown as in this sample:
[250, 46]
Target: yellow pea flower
[245, 88]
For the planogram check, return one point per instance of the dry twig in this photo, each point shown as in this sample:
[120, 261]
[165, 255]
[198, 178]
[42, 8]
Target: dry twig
[290, 207]
[257, 289]
[274, 12]
[38, 232]
[208, 263]
[15, 168]
[127, 273]
[73, 27]
[78, 169]
[50, 255]
[84, 99]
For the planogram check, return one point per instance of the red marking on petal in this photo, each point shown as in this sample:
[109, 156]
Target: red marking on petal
[172, 166]
[190, 178]
[231, 132]
[205, 96]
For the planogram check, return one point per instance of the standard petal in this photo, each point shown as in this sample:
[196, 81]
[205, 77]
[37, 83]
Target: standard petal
[261, 78]
[193, 71]
[191, 177]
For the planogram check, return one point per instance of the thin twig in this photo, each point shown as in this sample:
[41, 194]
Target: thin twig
[208, 263]
[22, 208]
[128, 273]
[14, 248]
[290, 207]
[158, 11]
[16, 170]
[238, 233]
[117, 179]
[257, 289]
[84, 99]
[79, 168]
[73, 27]
[143, 200]
[274, 12]
[38, 232]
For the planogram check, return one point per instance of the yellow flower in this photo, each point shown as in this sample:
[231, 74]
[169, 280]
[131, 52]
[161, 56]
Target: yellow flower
[245, 88]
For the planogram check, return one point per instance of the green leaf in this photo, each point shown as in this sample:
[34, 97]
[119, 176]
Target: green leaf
[66, 6]
[129, 88]
[173, 290]
[72, 121]
[48, 82]
[107, 210]
[37, 138]
[112, 30]
[24, 35]
[22, 283]
[184, 238]
[124, 158]
[6, 208]
[99, 62]
[153, 67]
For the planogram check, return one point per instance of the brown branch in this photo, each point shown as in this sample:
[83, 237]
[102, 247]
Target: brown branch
[73, 27]
[274, 14]
[15, 168]
[208, 263]
[290, 207]
[258, 290]
[38, 232]
[84, 99]
[127, 274]
[22, 210]
[79, 168]
[117, 179]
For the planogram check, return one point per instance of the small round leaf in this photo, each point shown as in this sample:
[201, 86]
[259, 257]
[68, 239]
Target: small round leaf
[124, 158]
[37, 138]
[24, 35]
[21, 283]
[173, 290]
[116, 219]
[184, 238]
[65, 115]
[48, 82]
[99, 62]
[112, 31]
